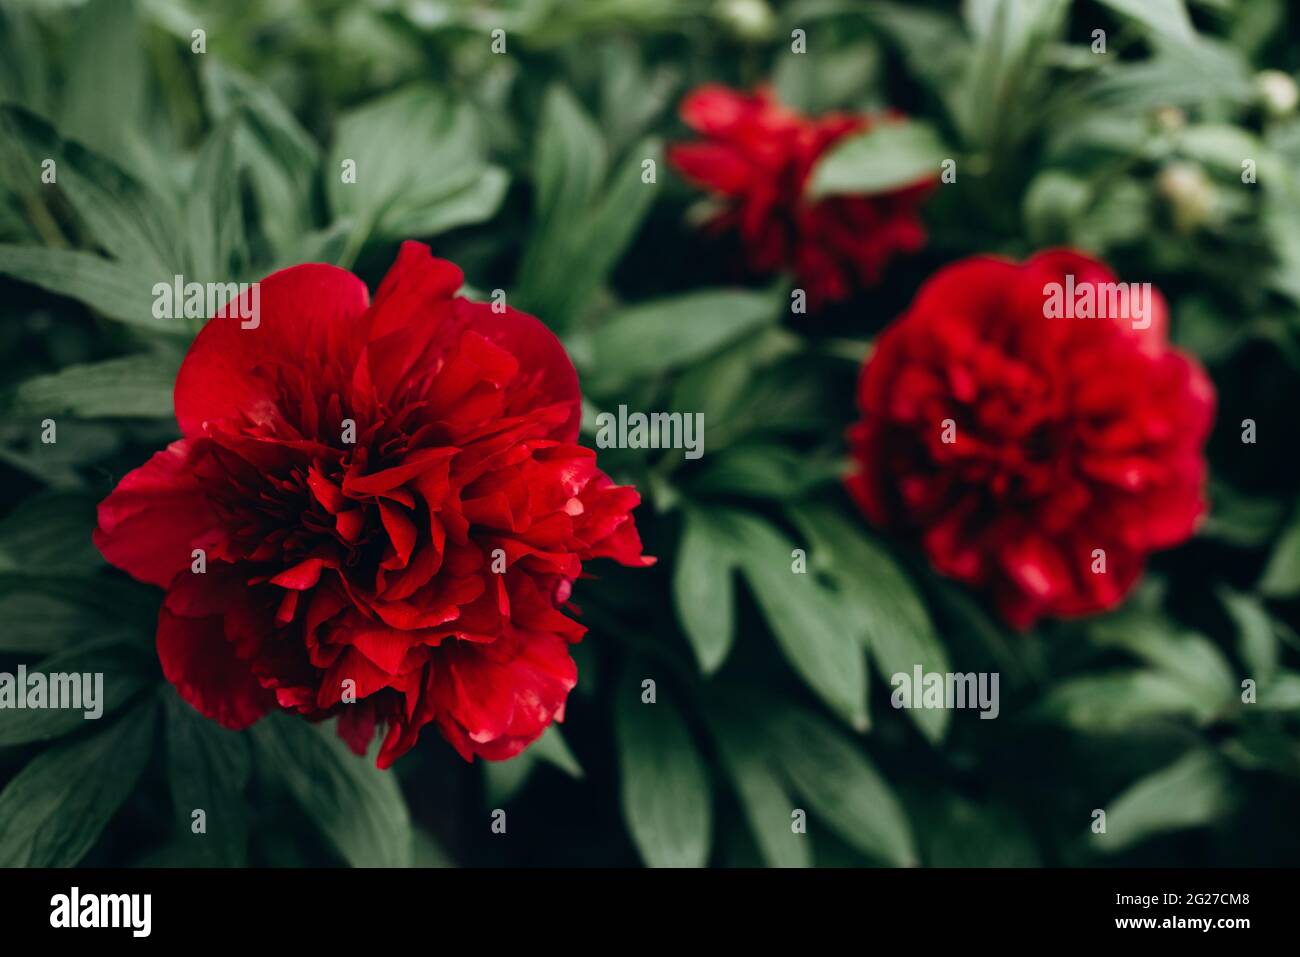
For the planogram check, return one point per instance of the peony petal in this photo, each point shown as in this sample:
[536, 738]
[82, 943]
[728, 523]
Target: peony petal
[201, 662]
[306, 313]
[543, 362]
[148, 523]
[415, 283]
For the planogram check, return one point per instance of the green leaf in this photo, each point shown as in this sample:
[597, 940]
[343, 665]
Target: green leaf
[50, 534]
[703, 593]
[932, 44]
[1185, 656]
[665, 789]
[281, 157]
[104, 102]
[1281, 693]
[811, 627]
[656, 336]
[1224, 146]
[503, 780]
[429, 852]
[600, 240]
[213, 214]
[1197, 74]
[208, 767]
[580, 213]
[843, 788]
[125, 671]
[1194, 791]
[1116, 702]
[1281, 577]
[956, 832]
[419, 165]
[833, 79]
[552, 748]
[126, 217]
[56, 807]
[1167, 17]
[358, 807]
[886, 611]
[1243, 520]
[887, 157]
[764, 470]
[571, 161]
[23, 70]
[106, 287]
[474, 203]
[136, 386]
[47, 613]
[719, 386]
[1054, 202]
[764, 794]
[1256, 640]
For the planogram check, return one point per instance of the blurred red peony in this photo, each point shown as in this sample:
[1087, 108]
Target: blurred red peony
[391, 506]
[757, 156]
[1040, 458]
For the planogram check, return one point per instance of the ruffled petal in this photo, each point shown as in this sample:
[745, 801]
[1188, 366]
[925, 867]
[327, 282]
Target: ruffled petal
[149, 522]
[306, 315]
[202, 663]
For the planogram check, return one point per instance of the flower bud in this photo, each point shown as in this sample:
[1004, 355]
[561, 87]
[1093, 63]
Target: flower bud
[1189, 192]
[751, 20]
[1277, 91]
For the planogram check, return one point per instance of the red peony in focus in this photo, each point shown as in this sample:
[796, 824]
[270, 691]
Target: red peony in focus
[1067, 435]
[756, 156]
[427, 561]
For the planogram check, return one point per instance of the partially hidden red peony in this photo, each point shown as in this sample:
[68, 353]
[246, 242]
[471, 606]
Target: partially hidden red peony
[1068, 435]
[374, 561]
[756, 157]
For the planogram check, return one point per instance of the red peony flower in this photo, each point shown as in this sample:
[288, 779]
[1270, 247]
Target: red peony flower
[420, 568]
[757, 156]
[1067, 435]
